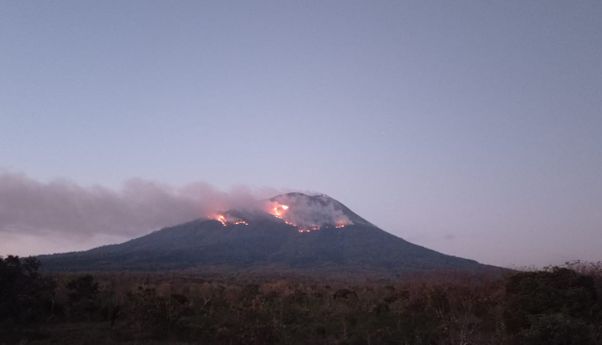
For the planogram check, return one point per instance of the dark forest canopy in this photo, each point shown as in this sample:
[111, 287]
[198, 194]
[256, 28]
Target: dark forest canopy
[551, 306]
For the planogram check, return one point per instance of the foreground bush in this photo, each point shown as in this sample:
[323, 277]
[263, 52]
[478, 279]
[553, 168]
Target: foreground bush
[558, 306]
[25, 295]
[555, 306]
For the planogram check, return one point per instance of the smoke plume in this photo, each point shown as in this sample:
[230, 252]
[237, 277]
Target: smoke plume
[30, 207]
[310, 212]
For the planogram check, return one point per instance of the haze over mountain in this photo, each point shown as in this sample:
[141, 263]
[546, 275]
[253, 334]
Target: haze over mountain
[292, 231]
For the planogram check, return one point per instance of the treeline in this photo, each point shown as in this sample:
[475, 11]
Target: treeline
[556, 306]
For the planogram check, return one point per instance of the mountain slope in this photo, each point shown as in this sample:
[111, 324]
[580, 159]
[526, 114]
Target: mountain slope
[294, 232]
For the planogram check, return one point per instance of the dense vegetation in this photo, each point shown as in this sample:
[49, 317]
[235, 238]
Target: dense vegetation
[553, 306]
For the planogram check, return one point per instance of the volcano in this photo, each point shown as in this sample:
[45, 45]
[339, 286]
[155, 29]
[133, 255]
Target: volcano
[289, 232]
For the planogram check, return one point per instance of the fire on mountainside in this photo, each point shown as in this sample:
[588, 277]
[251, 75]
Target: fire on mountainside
[285, 213]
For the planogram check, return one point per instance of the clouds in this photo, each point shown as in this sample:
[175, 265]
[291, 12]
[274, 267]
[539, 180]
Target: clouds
[62, 207]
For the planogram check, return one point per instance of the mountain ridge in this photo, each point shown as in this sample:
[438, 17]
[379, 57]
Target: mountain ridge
[293, 232]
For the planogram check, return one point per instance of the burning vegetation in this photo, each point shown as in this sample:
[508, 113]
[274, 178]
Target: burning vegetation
[304, 213]
[226, 219]
[279, 211]
[307, 219]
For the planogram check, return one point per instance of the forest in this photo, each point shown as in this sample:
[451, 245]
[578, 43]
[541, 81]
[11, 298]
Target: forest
[555, 305]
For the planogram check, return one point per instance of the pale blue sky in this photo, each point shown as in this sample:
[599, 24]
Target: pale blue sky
[471, 127]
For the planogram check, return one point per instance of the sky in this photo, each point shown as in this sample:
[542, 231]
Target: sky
[470, 127]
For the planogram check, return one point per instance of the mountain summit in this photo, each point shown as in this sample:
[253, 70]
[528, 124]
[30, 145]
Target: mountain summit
[315, 211]
[289, 232]
[304, 212]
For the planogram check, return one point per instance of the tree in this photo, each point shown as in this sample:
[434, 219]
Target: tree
[83, 296]
[25, 295]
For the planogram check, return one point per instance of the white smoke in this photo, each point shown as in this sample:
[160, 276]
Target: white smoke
[312, 211]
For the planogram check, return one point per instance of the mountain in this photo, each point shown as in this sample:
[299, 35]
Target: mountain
[290, 232]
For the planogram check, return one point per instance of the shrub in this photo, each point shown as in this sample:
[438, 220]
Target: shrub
[83, 296]
[557, 329]
[25, 295]
[557, 306]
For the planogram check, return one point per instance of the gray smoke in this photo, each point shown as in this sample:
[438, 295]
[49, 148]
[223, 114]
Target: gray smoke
[30, 207]
[312, 211]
